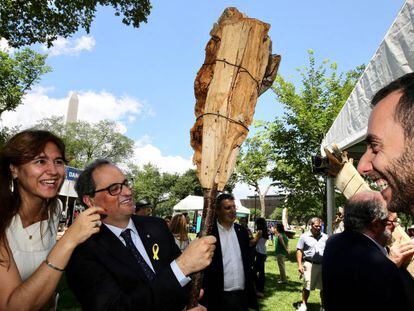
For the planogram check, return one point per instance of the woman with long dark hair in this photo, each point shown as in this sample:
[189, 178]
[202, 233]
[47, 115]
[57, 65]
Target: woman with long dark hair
[178, 227]
[31, 261]
[261, 255]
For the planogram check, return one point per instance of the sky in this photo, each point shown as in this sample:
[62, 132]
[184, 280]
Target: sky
[143, 78]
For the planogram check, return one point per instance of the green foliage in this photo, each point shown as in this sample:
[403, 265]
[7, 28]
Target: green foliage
[18, 73]
[25, 22]
[254, 164]
[231, 183]
[277, 214]
[153, 186]
[86, 142]
[186, 184]
[164, 190]
[6, 133]
[295, 136]
[253, 161]
[255, 213]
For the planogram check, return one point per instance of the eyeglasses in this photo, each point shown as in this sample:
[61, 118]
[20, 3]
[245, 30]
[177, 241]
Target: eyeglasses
[392, 222]
[116, 188]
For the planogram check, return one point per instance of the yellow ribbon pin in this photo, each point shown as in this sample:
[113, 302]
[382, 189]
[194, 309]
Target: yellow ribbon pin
[155, 249]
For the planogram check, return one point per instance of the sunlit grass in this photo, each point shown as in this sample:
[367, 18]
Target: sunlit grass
[284, 297]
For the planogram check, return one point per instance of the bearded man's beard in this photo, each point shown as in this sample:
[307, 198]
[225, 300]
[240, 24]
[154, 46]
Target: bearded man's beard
[400, 177]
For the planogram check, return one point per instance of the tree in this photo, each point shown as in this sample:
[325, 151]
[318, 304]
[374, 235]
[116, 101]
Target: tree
[18, 73]
[86, 141]
[152, 185]
[26, 22]
[296, 135]
[254, 165]
[6, 133]
[163, 190]
[186, 184]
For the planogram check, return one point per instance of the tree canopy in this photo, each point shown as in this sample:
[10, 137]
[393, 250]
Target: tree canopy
[295, 136]
[25, 22]
[254, 164]
[153, 186]
[19, 71]
[87, 141]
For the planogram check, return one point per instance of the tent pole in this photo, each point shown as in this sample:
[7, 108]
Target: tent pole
[330, 202]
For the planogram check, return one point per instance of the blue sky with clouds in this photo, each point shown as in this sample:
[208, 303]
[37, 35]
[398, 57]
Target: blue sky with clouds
[143, 78]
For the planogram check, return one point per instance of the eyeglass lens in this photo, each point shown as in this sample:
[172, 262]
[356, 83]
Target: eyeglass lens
[116, 189]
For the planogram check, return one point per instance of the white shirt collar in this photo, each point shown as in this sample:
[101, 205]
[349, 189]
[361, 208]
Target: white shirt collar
[223, 228]
[117, 231]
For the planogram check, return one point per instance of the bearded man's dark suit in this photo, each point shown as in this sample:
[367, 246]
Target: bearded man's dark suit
[213, 282]
[357, 275]
[104, 275]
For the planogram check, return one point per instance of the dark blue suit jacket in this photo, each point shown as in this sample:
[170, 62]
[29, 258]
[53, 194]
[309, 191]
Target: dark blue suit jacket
[213, 282]
[357, 275]
[104, 275]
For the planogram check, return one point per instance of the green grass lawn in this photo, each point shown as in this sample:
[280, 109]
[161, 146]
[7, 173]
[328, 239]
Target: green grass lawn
[278, 297]
[285, 297]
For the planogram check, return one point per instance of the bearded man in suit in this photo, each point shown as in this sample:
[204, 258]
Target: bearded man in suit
[357, 272]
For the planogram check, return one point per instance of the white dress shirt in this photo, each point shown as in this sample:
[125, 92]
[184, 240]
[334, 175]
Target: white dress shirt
[141, 249]
[233, 271]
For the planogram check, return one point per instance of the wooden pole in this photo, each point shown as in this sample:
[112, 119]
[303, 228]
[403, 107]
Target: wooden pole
[207, 219]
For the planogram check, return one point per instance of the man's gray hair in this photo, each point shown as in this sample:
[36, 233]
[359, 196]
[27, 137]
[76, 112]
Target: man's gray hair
[85, 185]
[313, 220]
[360, 212]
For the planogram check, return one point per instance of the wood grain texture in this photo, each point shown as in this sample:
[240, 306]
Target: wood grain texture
[238, 67]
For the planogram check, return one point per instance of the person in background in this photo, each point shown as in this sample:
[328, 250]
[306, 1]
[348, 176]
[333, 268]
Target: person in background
[259, 264]
[389, 158]
[355, 262]
[252, 247]
[309, 254]
[271, 233]
[228, 282]
[143, 208]
[178, 227]
[338, 223]
[32, 170]
[167, 220]
[281, 251]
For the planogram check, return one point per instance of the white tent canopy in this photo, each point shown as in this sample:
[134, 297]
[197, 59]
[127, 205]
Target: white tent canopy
[394, 58]
[196, 203]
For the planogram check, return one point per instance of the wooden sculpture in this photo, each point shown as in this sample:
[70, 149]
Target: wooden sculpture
[238, 68]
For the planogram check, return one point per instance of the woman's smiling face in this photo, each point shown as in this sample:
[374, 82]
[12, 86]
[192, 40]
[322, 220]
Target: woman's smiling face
[42, 177]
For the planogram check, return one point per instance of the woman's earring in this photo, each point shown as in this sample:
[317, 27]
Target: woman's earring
[12, 185]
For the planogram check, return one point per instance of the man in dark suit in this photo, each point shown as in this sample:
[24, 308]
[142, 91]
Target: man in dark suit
[133, 263]
[228, 281]
[357, 273]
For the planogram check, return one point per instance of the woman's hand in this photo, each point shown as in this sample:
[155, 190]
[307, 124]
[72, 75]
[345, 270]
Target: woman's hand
[86, 223]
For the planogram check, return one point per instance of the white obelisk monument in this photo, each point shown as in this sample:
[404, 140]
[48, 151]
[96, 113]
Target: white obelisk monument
[72, 115]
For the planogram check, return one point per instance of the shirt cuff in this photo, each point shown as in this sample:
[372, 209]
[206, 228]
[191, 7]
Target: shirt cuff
[184, 280]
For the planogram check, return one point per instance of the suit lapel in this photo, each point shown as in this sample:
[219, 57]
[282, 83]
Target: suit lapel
[150, 243]
[118, 251]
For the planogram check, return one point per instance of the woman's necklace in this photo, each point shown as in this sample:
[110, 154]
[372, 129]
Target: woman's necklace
[29, 234]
